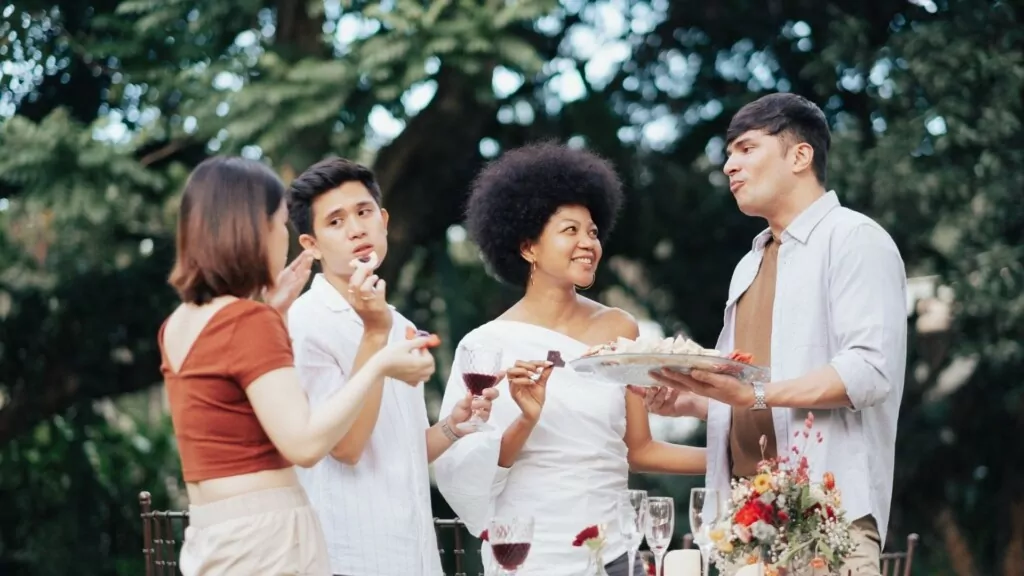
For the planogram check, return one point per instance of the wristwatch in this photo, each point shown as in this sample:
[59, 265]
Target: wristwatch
[759, 403]
[448, 432]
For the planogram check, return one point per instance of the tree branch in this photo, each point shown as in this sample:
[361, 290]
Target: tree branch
[426, 171]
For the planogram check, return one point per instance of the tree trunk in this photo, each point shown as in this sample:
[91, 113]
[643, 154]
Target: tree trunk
[426, 171]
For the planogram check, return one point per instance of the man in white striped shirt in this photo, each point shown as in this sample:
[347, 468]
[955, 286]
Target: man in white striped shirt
[372, 494]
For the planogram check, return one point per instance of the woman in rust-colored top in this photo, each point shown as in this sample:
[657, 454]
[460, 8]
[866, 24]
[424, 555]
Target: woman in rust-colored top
[239, 412]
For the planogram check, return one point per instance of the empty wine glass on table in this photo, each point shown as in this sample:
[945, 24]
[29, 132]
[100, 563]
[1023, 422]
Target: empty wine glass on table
[632, 512]
[661, 523]
[481, 368]
[510, 540]
[705, 511]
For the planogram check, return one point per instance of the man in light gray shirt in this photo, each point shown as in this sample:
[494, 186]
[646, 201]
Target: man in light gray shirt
[821, 298]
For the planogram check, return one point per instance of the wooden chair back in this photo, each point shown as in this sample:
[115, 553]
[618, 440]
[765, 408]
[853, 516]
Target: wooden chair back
[900, 563]
[163, 531]
[458, 529]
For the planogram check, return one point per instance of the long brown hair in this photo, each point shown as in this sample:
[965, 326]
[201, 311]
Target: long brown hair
[223, 224]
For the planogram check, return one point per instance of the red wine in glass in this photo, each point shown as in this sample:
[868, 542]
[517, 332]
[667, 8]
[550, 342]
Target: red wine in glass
[511, 555]
[477, 383]
[480, 367]
[510, 540]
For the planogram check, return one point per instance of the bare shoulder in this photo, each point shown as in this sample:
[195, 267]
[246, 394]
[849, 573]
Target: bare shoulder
[608, 323]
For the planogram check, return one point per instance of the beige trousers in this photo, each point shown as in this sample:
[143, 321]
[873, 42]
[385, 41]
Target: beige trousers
[866, 559]
[270, 533]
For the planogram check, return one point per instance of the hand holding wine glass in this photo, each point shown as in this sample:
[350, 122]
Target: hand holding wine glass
[481, 369]
[705, 510]
[661, 524]
[510, 540]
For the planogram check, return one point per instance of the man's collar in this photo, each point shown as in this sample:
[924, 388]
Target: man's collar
[801, 227]
[330, 296]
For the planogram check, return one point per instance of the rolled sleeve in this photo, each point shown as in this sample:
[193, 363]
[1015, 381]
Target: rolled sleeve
[867, 297]
[467, 474]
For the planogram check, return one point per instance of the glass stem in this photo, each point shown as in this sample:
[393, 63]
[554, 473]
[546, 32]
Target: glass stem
[631, 555]
[705, 557]
[658, 556]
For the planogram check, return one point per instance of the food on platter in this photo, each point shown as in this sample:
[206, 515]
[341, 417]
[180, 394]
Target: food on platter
[677, 345]
[739, 356]
[630, 361]
[555, 357]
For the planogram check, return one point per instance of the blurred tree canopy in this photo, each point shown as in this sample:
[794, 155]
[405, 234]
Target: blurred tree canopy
[105, 105]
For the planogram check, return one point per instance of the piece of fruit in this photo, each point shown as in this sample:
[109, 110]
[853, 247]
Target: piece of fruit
[739, 356]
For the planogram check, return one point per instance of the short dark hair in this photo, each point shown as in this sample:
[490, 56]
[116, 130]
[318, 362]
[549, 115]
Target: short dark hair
[789, 116]
[322, 177]
[223, 223]
[514, 197]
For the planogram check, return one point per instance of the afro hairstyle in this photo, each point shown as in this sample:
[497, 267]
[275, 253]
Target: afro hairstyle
[513, 198]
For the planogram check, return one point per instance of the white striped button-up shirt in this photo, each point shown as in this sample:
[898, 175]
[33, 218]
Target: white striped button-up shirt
[375, 515]
[840, 300]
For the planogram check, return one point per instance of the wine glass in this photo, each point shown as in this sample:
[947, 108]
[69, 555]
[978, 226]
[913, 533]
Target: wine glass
[661, 523]
[632, 512]
[705, 510]
[480, 367]
[510, 540]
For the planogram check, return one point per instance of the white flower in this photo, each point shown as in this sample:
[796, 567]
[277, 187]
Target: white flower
[763, 532]
[817, 494]
[767, 498]
[740, 493]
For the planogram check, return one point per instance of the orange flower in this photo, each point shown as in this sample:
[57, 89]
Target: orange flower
[818, 562]
[829, 480]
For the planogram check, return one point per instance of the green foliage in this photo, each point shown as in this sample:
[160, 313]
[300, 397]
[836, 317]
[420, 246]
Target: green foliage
[70, 488]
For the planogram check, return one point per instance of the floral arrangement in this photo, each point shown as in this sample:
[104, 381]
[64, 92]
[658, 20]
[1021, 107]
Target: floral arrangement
[784, 520]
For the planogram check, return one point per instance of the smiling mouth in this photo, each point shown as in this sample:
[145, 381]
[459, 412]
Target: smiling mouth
[588, 260]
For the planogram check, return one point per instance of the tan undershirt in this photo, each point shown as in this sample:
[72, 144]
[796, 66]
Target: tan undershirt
[753, 334]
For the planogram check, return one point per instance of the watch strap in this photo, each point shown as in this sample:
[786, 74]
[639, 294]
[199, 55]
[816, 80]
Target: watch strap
[759, 399]
[447, 431]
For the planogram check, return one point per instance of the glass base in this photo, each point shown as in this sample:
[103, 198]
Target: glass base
[474, 424]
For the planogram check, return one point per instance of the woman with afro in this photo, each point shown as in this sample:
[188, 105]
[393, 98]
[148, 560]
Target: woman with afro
[564, 444]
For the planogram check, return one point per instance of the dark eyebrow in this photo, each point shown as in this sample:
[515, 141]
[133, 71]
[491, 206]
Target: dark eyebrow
[577, 223]
[737, 143]
[337, 212]
[340, 210]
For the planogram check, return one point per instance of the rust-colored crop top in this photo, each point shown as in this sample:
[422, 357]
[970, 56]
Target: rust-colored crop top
[217, 430]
